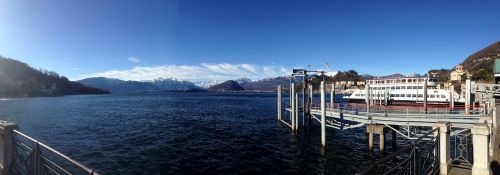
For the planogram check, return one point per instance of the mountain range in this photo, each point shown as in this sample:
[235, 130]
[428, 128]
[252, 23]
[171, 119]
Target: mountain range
[121, 86]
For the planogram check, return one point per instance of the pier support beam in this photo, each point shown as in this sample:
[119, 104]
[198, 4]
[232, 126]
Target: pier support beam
[444, 146]
[7, 147]
[376, 129]
[279, 102]
[480, 132]
[394, 137]
[323, 114]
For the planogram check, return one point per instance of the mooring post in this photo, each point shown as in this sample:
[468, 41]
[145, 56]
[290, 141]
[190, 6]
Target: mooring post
[323, 114]
[480, 133]
[292, 103]
[386, 93]
[332, 96]
[425, 97]
[467, 96]
[367, 97]
[444, 146]
[452, 96]
[297, 109]
[279, 102]
[7, 147]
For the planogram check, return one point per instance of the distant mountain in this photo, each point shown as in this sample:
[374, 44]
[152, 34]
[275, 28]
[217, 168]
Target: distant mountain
[268, 84]
[227, 86]
[207, 83]
[121, 86]
[173, 84]
[18, 79]
[480, 64]
[243, 81]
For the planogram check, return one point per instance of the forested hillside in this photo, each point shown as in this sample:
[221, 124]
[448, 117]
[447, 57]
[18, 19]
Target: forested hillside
[18, 79]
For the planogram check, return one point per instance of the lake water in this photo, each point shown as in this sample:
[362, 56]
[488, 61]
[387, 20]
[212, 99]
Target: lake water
[184, 133]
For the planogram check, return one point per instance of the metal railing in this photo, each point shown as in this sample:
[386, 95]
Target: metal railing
[35, 158]
[461, 144]
[420, 157]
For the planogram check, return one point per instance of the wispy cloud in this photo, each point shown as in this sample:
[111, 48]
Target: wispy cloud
[134, 59]
[195, 73]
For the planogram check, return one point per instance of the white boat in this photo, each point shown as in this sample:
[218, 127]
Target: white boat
[405, 90]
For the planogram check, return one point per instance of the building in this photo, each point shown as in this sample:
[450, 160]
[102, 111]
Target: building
[456, 75]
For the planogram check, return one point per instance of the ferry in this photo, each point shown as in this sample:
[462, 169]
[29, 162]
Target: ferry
[405, 90]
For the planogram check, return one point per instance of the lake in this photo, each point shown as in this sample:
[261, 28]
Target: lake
[185, 133]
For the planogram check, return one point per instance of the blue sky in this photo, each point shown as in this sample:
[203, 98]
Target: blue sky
[224, 39]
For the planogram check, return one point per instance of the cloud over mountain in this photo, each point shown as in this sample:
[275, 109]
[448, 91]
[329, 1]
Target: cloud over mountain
[196, 73]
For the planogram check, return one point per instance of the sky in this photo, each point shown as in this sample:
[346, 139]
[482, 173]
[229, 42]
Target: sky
[204, 40]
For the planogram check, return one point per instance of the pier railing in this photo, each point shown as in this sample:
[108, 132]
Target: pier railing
[420, 156]
[35, 158]
[21, 154]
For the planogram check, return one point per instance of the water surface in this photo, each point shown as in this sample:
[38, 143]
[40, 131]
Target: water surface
[184, 133]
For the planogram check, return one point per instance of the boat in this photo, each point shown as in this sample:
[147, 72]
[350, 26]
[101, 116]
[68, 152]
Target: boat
[405, 90]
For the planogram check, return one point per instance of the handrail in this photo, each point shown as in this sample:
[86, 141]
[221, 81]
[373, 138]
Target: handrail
[411, 145]
[83, 167]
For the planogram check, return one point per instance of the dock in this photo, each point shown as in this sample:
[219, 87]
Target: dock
[439, 141]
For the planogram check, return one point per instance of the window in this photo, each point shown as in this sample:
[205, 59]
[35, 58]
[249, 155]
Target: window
[397, 87]
[420, 87]
[402, 95]
[393, 87]
[420, 95]
[408, 87]
[408, 95]
[403, 87]
[397, 95]
[414, 87]
[413, 95]
[443, 96]
[432, 96]
[392, 95]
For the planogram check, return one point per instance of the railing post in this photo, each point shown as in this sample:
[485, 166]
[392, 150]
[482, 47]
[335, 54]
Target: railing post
[323, 114]
[7, 146]
[444, 147]
[480, 134]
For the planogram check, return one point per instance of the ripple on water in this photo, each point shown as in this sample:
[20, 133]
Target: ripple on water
[184, 134]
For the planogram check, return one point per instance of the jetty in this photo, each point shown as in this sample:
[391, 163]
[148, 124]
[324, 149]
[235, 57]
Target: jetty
[439, 140]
